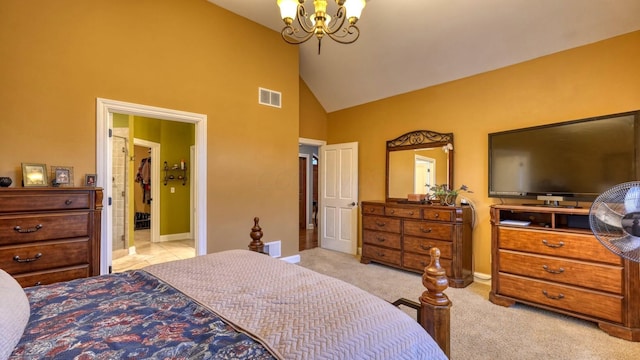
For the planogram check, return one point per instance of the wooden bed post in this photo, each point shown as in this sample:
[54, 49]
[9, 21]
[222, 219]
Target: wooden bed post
[435, 306]
[256, 234]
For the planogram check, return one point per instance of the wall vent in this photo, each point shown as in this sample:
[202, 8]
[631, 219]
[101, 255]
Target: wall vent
[269, 97]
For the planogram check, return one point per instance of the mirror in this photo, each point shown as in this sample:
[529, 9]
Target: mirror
[416, 161]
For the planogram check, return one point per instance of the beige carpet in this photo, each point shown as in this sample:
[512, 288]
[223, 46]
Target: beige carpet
[480, 329]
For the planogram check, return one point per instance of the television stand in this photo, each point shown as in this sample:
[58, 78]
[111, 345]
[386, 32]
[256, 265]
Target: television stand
[557, 264]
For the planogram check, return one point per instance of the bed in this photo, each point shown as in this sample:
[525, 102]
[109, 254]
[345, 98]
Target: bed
[237, 304]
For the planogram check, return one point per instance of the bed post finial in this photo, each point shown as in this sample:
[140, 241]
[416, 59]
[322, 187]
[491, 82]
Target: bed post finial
[256, 234]
[435, 304]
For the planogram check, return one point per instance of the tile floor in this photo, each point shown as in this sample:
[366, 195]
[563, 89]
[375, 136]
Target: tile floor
[148, 253]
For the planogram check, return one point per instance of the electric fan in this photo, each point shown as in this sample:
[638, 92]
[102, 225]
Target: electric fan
[614, 219]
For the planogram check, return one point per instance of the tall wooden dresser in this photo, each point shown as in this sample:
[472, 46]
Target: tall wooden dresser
[401, 235]
[553, 261]
[50, 234]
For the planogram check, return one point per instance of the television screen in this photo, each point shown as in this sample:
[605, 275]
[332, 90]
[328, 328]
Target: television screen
[577, 159]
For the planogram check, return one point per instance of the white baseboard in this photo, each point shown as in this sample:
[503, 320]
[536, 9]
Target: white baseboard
[482, 278]
[293, 259]
[174, 237]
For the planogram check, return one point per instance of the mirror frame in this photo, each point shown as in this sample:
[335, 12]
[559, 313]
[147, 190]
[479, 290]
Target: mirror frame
[419, 139]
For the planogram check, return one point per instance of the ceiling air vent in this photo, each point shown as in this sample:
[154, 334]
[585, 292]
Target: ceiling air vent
[269, 97]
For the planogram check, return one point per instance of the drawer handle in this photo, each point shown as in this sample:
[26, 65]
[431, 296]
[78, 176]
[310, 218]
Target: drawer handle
[380, 223]
[558, 245]
[559, 271]
[28, 230]
[372, 210]
[379, 254]
[410, 212]
[426, 231]
[558, 297]
[425, 247]
[38, 283]
[437, 215]
[392, 211]
[423, 263]
[381, 239]
[68, 202]
[27, 260]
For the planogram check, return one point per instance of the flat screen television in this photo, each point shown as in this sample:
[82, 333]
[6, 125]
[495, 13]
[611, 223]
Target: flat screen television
[573, 161]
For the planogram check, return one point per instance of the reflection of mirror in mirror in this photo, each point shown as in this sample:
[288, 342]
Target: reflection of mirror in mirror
[415, 171]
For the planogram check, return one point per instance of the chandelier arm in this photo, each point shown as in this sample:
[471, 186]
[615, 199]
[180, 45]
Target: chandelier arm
[338, 23]
[351, 30]
[291, 35]
[302, 19]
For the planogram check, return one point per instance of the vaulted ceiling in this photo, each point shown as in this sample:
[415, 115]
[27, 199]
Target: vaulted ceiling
[407, 45]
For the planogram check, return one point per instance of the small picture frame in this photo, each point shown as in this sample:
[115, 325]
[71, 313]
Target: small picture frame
[34, 175]
[62, 175]
[90, 179]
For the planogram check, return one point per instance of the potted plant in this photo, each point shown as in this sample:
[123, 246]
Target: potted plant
[448, 196]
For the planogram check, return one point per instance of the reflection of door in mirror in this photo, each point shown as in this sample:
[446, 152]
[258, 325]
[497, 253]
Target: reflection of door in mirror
[424, 173]
[408, 171]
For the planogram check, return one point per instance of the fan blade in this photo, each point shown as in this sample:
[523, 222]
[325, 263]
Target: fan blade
[626, 243]
[608, 216]
[632, 200]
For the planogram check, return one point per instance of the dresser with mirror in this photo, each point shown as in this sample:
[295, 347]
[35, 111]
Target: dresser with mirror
[400, 230]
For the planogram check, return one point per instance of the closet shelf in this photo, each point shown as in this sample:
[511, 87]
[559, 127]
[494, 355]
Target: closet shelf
[177, 172]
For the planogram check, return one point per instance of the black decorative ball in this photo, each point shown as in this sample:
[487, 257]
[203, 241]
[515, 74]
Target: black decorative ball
[5, 181]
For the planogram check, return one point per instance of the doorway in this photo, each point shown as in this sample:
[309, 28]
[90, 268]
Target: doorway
[308, 193]
[104, 124]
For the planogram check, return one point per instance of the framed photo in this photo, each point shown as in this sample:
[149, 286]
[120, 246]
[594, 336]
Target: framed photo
[90, 179]
[34, 175]
[62, 175]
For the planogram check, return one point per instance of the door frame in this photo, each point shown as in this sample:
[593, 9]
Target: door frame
[155, 189]
[105, 108]
[318, 143]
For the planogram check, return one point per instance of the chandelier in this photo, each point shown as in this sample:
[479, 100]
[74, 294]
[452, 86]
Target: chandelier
[341, 27]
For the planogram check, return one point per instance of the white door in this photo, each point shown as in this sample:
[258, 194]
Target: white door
[339, 197]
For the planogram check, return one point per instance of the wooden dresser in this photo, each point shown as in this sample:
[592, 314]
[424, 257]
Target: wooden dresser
[556, 263]
[401, 235]
[50, 234]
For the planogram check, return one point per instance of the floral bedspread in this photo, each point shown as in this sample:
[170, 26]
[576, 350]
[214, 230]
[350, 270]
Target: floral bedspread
[127, 315]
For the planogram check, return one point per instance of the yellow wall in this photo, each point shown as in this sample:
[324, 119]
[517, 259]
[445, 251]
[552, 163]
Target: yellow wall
[597, 79]
[189, 55]
[313, 118]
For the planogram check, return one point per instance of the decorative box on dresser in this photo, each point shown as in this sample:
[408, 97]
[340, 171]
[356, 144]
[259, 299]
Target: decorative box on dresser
[401, 234]
[557, 264]
[49, 235]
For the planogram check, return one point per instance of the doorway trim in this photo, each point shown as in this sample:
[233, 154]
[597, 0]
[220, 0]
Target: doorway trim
[105, 109]
[155, 190]
[318, 143]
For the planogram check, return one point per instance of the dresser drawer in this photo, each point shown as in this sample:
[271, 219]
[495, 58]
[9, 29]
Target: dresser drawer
[418, 262]
[52, 276]
[382, 254]
[19, 202]
[44, 256]
[438, 215]
[576, 246]
[423, 246]
[592, 303]
[381, 223]
[29, 228]
[411, 213]
[380, 238]
[428, 229]
[595, 276]
[371, 209]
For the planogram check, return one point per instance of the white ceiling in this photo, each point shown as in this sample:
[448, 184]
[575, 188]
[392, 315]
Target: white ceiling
[407, 45]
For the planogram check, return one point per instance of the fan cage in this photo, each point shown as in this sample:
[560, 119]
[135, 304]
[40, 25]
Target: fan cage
[614, 219]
